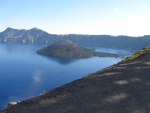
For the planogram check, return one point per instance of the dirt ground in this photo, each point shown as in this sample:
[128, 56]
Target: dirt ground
[121, 88]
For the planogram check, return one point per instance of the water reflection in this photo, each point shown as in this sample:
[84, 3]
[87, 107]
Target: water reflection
[62, 61]
[37, 76]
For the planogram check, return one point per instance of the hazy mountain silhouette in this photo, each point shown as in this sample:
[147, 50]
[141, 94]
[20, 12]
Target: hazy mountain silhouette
[37, 36]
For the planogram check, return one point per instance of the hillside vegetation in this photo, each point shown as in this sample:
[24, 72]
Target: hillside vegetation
[138, 54]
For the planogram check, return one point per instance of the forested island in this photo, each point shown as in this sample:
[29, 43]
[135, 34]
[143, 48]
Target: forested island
[68, 49]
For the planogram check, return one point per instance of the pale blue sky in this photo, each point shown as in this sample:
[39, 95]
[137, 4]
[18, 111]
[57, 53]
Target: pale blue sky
[112, 17]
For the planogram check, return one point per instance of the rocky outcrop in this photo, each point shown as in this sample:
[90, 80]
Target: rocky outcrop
[12, 103]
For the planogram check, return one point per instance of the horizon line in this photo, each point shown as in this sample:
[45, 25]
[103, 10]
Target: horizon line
[74, 33]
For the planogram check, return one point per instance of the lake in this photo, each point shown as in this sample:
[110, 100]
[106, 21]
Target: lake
[24, 74]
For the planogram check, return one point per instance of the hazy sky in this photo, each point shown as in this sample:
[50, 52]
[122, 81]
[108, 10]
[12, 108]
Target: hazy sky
[112, 17]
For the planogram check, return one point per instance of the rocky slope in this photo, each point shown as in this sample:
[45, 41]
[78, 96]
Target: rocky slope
[68, 49]
[37, 36]
[121, 88]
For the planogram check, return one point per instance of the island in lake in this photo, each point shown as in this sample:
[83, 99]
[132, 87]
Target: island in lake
[68, 49]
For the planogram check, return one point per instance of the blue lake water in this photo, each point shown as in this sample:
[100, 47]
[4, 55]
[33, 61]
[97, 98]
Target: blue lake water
[24, 74]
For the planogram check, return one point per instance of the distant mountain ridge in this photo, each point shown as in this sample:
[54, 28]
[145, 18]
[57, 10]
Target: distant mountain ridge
[37, 36]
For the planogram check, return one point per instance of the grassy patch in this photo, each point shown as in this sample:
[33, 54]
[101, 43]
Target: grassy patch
[137, 54]
[88, 74]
